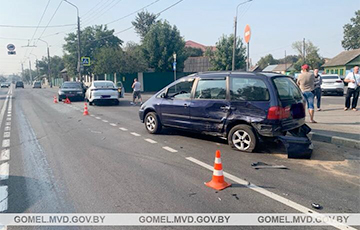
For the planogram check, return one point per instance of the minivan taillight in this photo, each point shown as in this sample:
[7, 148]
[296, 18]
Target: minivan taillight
[278, 113]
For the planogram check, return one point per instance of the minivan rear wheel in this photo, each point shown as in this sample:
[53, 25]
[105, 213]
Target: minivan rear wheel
[242, 138]
[152, 123]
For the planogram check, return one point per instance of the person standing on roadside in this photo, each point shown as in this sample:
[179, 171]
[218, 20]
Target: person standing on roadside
[137, 91]
[353, 80]
[317, 88]
[306, 83]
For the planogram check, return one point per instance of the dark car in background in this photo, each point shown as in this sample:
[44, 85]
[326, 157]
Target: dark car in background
[5, 85]
[72, 90]
[242, 107]
[37, 84]
[19, 84]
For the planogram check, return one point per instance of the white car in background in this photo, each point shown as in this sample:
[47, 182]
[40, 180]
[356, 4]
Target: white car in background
[102, 91]
[332, 84]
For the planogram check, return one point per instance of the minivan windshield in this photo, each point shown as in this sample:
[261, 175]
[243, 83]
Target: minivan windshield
[287, 89]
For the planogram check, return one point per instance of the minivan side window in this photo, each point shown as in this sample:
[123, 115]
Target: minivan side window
[181, 90]
[287, 89]
[211, 89]
[248, 89]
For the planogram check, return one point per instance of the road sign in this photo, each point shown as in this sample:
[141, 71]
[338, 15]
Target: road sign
[247, 34]
[11, 52]
[85, 61]
[11, 47]
[174, 65]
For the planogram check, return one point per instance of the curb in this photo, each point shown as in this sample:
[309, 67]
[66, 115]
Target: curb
[335, 140]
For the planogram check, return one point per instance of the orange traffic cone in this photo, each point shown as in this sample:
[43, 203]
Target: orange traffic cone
[86, 112]
[55, 100]
[67, 101]
[217, 182]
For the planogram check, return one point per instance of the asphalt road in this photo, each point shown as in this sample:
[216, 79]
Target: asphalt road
[63, 162]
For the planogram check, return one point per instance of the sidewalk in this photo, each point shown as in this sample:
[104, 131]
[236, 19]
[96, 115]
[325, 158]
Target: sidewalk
[336, 126]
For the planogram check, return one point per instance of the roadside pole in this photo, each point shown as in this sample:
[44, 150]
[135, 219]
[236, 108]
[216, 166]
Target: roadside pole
[247, 35]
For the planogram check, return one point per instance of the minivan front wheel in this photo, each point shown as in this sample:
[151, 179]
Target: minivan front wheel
[242, 138]
[152, 123]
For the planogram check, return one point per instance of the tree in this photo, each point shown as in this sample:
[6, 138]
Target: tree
[143, 22]
[221, 58]
[267, 60]
[289, 59]
[92, 39]
[109, 60]
[159, 45]
[311, 56]
[134, 59]
[352, 33]
[56, 66]
[193, 52]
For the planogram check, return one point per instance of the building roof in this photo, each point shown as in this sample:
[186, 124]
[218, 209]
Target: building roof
[197, 64]
[282, 67]
[196, 45]
[343, 58]
[269, 68]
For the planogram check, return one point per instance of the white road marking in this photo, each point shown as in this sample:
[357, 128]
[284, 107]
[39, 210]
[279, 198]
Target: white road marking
[123, 129]
[135, 134]
[3, 198]
[92, 115]
[2, 113]
[9, 115]
[6, 143]
[8, 123]
[6, 134]
[105, 121]
[5, 155]
[98, 118]
[113, 124]
[4, 171]
[8, 119]
[7, 128]
[151, 141]
[170, 149]
[269, 194]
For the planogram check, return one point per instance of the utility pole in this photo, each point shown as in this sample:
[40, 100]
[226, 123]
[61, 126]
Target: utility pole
[285, 62]
[49, 68]
[235, 28]
[79, 67]
[30, 70]
[304, 50]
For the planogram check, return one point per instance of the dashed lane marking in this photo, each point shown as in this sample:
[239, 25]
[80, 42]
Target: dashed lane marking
[267, 193]
[123, 129]
[135, 134]
[150, 141]
[170, 149]
[8, 123]
[6, 134]
[106, 121]
[3, 198]
[7, 128]
[4, 171]
[8, 119]
[113, 124]
[6, 143]
[98, 118]
[92, 115]
[5, 155]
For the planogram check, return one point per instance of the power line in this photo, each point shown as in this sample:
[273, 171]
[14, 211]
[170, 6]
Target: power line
[31, 27]
[169, 7]
[102, 13]
[100, 8]
[141, 9]
[92, 8]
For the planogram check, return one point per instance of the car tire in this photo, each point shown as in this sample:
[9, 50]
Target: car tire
[152, 123]
[242, 138]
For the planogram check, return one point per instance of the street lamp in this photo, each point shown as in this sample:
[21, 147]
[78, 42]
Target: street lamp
[78, 37]
[48, 54]
[235, 27]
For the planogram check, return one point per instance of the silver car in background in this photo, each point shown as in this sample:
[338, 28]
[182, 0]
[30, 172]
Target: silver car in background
[332, 84]
[102, 91]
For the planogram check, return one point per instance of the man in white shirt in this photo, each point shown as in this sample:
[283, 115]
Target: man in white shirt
[353, 80]
[137, 89]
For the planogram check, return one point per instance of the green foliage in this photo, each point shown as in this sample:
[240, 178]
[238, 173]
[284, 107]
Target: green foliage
[221, 58]
[352, 33]
[312, 57]
[92, 39]
[56, 65]
[134, 59]
[159, 45]
[267, 60]
[109, 60]
[143, 23]
[193, 52]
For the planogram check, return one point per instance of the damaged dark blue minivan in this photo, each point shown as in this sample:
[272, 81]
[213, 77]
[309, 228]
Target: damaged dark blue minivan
[243, 107]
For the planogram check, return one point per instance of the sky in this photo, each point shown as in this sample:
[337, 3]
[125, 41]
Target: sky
[275, 24]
